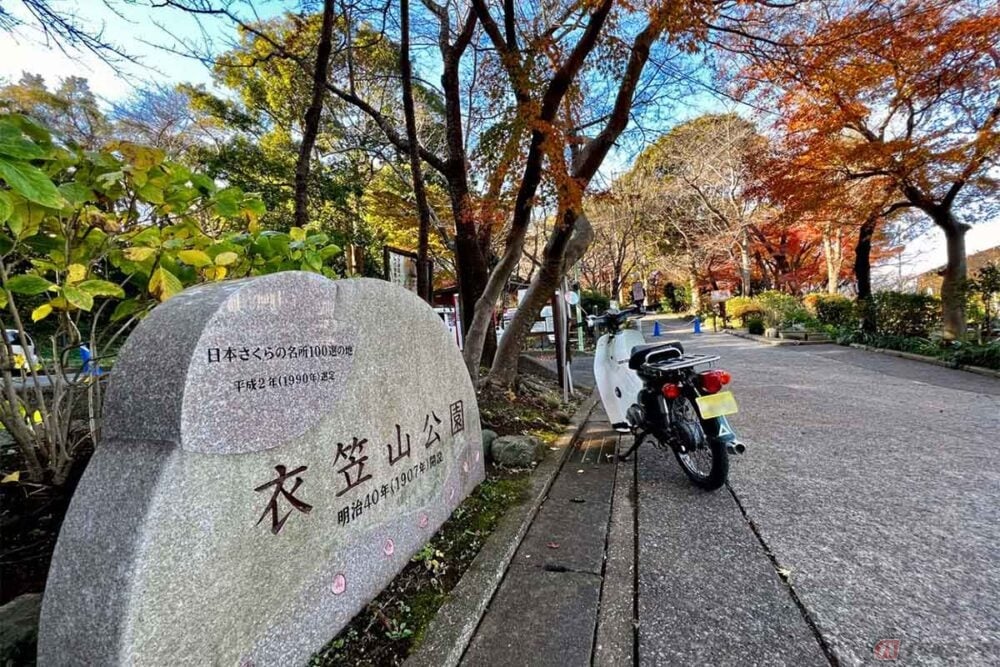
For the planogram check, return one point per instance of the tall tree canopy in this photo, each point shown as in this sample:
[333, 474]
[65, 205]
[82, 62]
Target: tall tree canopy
[902, 91]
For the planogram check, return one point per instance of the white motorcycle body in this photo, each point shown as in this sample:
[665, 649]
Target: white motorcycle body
[618, 384]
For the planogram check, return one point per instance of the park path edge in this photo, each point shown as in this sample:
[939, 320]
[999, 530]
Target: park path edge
[452, 628]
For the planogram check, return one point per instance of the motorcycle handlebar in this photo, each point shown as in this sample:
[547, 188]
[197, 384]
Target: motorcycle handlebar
[607, 316]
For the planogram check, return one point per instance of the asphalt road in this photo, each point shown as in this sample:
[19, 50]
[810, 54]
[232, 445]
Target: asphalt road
[866, 509]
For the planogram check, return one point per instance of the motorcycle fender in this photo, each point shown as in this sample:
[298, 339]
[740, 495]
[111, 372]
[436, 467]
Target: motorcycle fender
[719, 428]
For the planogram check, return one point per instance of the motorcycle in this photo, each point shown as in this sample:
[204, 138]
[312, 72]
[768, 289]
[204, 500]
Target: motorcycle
[657, 390]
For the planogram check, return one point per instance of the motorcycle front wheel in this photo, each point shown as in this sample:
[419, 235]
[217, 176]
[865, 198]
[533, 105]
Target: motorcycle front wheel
[706, 466]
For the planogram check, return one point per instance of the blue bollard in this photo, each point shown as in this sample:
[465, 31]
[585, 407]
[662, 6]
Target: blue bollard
[90, 366]
[697, 325]
[656, 329]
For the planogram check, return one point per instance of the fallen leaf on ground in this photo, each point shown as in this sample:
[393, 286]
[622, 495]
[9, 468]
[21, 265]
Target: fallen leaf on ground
[552, 545]
[13, 477]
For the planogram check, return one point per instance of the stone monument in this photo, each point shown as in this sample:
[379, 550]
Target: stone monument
[274, 451]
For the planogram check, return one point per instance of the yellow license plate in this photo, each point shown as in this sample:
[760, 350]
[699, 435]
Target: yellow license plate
[716, 405]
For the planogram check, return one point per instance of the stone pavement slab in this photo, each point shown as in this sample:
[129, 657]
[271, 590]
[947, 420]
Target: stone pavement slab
[614, 645]
[545, 611]
[708, 593]
[546, 619]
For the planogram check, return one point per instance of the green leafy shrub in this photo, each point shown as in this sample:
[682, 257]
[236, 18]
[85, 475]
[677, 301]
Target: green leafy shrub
[970, 354]
[800, 318]
[777, 307]
[755, 325]
[983, 291]
[743, 308]
[834, 309]
[90, 241]
[905, 315]
[682, 300]
[964, 354]
[594, 302]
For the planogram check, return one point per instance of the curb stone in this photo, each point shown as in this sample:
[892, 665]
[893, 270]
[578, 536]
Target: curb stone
[528, 364]
[777, 341]
[614, 640]
[978, 370]
[449, 633]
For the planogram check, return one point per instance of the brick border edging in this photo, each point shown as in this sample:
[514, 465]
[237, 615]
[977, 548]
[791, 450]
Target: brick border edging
[450, 631]
[978, 370]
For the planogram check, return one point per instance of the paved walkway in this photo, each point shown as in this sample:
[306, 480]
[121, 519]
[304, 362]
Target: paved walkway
[864, 512]
[545, 611]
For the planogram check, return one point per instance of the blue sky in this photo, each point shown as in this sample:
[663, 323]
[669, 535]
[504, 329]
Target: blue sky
[138, 30]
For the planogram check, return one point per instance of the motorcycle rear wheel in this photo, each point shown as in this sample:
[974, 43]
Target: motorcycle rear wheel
[717, 471]
[707, 466]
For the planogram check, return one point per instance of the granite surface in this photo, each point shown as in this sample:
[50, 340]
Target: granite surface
[272, 456]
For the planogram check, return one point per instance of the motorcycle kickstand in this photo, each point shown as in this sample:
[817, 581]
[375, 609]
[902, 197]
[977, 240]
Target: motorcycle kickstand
[639, 437]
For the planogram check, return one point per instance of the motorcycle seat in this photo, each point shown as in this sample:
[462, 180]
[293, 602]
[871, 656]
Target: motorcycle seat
[639, 353]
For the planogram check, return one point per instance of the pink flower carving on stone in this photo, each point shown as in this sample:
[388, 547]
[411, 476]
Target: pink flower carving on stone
[339, 584]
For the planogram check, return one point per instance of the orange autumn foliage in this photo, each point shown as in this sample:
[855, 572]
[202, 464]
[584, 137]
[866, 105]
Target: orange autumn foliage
[902, 96]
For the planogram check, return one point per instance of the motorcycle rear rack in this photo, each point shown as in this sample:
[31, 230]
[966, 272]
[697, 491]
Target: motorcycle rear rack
[678, 363]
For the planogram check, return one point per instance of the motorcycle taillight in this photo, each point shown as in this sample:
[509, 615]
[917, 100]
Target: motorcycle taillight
[714, 380]
[671, 390]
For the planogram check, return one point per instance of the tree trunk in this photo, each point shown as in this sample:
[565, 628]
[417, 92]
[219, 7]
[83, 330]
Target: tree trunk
[471, 267]
[745, 263]
[310, 127]
[834, 255]
[863, 273]
[424, 287]
[695, 295]
[954, 278]
[586, 162]
[504, 368]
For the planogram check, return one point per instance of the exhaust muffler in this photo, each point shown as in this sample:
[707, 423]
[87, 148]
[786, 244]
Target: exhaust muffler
[735, 447]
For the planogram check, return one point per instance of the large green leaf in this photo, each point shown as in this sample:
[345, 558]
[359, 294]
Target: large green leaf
[163, 284]
[35, 131]
[139, 253]
[78, 297]
[28, 284]
[149, 236]
[313, 260]
[13, 143]
[30, 182]
[126, 308]
[203, 183]
[194, 257]
[102, 288]
[226, 258]
[151, 193]
[227, 202]
[6, 207]
[76, 193]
